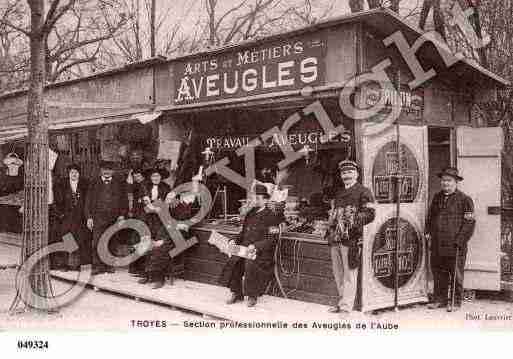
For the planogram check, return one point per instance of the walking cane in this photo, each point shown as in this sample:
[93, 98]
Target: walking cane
[453, 284]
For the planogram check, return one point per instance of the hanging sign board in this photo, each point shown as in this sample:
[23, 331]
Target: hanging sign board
[287, 64]
[411, 101]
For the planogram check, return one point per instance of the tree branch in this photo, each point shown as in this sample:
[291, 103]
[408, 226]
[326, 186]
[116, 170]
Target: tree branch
[57, 14]
[17, 28]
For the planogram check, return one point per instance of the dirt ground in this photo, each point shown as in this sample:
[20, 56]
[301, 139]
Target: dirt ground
[92, 311]
[106, 311]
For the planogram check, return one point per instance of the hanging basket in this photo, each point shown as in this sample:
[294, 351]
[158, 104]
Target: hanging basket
[13, 163]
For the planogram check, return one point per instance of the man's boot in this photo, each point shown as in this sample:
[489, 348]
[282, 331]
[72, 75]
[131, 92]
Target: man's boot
[252, 301]
[436, 305]
[159, 282]
[98, 270]
[235, 298]
[146, 279]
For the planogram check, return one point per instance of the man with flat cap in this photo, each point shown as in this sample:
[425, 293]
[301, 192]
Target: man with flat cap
[106, 203]
[351, 209]
[449, 226]
[250, 277]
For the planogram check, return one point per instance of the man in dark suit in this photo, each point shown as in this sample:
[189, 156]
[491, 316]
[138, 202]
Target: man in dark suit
[449, 227]
[106, 203]
[70, 203]
[259, 233]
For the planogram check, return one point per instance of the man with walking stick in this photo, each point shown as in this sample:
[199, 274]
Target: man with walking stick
[449, 227]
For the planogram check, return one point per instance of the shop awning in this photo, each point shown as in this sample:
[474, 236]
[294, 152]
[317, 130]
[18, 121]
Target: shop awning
[17, 133]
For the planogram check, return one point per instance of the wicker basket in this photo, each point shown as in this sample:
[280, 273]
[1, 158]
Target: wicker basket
[13, 163]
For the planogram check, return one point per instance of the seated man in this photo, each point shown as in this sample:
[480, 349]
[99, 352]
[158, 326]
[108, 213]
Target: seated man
[258, 233]
[158, 262]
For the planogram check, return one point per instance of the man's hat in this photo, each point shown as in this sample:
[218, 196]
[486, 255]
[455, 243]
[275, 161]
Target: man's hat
[108, 165]
[73, 166]
[161, 171]
[347, 165]
[261, 190]
[451, 171]
[136, 170]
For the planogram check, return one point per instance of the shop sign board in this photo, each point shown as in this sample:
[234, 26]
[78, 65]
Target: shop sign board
[313, 138]
[409, 252]
[288, 64]
[385, 170]
[411, 101]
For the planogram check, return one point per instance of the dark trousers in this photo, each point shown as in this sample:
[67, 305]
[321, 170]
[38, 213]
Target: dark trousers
[138, 266]
[443, 269]
[100, 224]
[82, 256]
[247, 277]
[157, 263]
[236, 283]
[58, 260]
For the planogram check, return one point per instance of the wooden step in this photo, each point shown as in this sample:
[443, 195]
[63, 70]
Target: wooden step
[205, 299]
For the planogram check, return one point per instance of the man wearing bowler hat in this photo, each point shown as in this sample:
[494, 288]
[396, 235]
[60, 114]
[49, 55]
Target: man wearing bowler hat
[259, 233]
[449, 226]
[351, 209]
[106, 203]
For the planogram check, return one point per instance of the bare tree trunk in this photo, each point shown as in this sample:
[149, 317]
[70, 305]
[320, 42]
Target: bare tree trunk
[356, 5]
[211, 11]
[394, 5]
[374, 4]
[35, 218]
[152, 29]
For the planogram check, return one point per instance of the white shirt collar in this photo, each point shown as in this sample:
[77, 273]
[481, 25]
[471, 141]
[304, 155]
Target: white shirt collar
[154, 192]
[351, 185]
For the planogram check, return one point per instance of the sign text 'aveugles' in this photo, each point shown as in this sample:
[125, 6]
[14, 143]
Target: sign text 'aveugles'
[279, 66]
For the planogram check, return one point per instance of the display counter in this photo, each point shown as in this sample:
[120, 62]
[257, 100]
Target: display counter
[303, 264]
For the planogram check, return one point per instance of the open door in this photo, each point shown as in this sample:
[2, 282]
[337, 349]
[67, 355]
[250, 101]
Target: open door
[479, 162]
[379, 166]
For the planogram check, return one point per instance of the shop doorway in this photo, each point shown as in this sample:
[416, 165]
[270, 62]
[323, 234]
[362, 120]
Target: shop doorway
[439, 155]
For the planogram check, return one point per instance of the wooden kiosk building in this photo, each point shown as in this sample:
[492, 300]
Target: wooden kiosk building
[273, 91]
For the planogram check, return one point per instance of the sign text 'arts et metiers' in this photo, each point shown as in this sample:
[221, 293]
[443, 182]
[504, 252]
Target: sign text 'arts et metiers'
[285, 65]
